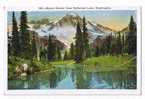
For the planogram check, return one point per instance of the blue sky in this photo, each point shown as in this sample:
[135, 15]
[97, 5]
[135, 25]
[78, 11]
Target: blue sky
[108, 18]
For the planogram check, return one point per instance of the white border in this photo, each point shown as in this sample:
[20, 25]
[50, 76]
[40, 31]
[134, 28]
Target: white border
[75, 91]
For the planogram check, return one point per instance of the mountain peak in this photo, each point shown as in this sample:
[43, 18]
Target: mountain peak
[71, 13]
[65, 28]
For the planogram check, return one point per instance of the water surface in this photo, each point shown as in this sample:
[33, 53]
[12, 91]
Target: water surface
[66, 78]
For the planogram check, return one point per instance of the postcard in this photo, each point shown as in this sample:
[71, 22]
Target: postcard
[73, 50]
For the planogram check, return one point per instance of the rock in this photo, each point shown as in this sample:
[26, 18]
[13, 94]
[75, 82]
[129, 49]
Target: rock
[25, 67]
[24, 74]
[18, 70]
[22, 70]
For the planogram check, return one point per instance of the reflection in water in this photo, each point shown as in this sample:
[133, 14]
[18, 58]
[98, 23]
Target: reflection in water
[53, 79]
[64, 78]
[80, 80]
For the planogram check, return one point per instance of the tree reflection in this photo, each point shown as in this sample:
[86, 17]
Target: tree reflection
[119, 79]
[82, 78]
[78, 78]
[33, 82]
[53, 79]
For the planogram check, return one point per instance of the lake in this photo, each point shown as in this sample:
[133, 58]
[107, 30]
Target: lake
[66, 78]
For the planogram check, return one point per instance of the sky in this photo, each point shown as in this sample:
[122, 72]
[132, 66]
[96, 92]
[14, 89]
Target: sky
[114, 19]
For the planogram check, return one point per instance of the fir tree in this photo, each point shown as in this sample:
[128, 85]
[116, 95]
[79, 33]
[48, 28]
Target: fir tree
[123, 44]
[51, 49]
[9, 46]
[65, 55]
[58, 53]
[15, 37]
[43, 54]
[118, 44]
[72, 51]
[25, 36]
[97, 51]
[107, 44]
[78, 44]
[86, 48]
[131, 37]
[34, 46]
[113, 46]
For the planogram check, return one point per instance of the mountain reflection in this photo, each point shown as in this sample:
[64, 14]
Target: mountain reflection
[78, 78]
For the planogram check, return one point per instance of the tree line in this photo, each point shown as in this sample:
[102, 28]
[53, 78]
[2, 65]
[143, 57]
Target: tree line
[24, 43]
[21, 39]
[119, 43]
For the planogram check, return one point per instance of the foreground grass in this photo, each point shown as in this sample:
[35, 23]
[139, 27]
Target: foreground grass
[37, 66]
[65, 64]
[110, 63]
[102, 63]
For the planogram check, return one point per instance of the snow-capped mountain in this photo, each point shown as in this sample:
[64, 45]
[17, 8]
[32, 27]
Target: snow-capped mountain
[65, 28]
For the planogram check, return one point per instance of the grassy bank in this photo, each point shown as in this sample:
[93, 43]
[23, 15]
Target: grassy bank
[64, 64]
[110, 63]
[37, 66]
[102, 63]
[96, 64]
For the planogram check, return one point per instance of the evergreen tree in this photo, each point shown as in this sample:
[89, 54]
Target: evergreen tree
[97, 51]
[131, 37]
[114, 46]
[65, 55]
[123, 44]
[34, 47]
[104, 47]
[72, 51]
[51, 49]
[118, 44]
[25, 36]
[78, 44]
[15, 37]
[54, 48]
[43, 54]
[58, 53]
[9, 46]
[86, 48]
[107, 44]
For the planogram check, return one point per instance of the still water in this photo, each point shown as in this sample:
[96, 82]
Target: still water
[66, 78]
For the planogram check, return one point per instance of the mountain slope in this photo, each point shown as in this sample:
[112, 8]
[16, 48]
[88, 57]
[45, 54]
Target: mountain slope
[65, 28]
